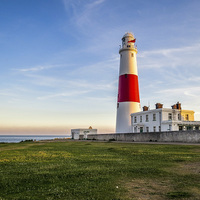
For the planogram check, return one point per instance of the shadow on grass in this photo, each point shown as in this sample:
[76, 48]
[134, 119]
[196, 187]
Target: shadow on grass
[175, 195]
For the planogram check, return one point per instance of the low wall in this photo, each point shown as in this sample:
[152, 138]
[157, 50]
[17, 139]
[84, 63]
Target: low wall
[170, 136]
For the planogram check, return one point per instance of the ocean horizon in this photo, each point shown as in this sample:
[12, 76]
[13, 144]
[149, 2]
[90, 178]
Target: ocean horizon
[19, 138]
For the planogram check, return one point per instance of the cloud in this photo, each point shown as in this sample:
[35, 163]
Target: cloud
[6, 94]
[67, 94]
[187, 91]
[82, 14]
[94, 4]
[96, 76]
[38, 68]
[186, 56]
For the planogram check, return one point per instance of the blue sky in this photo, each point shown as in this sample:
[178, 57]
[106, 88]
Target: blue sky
[59, 60]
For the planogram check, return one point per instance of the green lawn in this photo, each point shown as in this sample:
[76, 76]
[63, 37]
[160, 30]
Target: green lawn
[99, 171]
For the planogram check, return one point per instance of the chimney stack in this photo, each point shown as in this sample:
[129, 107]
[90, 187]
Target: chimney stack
[159, 105]
[178, 106]
[174, 106]
[145, 108]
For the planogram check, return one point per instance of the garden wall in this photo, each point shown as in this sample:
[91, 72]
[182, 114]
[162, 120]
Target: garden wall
[170, 136]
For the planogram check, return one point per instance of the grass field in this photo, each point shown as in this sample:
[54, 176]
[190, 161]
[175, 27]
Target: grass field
[99, 171]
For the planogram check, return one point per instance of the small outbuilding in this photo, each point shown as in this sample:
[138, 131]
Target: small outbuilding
[82, 133]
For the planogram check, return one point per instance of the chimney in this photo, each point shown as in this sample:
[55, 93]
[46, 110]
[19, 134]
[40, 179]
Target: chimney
[159, 105]
[174, 106]
[145, 108]
[178, 105]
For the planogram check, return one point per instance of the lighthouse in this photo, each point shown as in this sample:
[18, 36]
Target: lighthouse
[128, 87]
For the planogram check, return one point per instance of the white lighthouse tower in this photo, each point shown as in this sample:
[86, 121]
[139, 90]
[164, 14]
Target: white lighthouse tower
[128, 87]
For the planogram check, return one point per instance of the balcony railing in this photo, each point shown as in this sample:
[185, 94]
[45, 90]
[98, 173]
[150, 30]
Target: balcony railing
[128, 46]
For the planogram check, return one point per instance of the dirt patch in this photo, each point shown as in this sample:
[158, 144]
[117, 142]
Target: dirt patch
[147, 189]
[187, 168]
[191, 168]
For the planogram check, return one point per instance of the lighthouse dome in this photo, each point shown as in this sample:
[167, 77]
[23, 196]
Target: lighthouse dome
[128, 35]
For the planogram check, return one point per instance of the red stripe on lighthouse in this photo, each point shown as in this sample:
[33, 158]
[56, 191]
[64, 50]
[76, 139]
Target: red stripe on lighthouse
[128, 88]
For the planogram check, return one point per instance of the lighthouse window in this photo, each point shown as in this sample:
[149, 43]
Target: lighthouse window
[132, 55]
[135, 119]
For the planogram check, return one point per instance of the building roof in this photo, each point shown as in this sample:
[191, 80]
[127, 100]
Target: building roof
[153, 110]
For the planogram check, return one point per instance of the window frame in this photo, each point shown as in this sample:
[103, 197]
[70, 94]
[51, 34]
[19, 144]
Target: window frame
[169, 116]
[147, 118]
[154, 116]
[135, 119]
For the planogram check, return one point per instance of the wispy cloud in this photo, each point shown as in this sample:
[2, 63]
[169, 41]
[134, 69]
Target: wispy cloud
[187, 91]
[83, 12]
[186, 56]
[94, 4]
[6, 94]
[38, 68]
[67, 94]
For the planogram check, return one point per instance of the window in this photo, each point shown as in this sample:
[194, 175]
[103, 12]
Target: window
[147, 129]
[141, 129]
[132, 55]
[159, 128]
[187, 117]
[154, 129]
[179, 116]
[169, 116]
[154, 117]
[170, 127]
[135, 119]
[147, 118]
[140, 118]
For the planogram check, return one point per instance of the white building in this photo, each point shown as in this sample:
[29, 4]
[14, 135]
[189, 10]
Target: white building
[82, 133]
[163, 119]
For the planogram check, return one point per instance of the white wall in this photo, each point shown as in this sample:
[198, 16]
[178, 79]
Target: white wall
[76, 133]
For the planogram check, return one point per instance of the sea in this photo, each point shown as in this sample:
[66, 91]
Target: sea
[20, 138]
